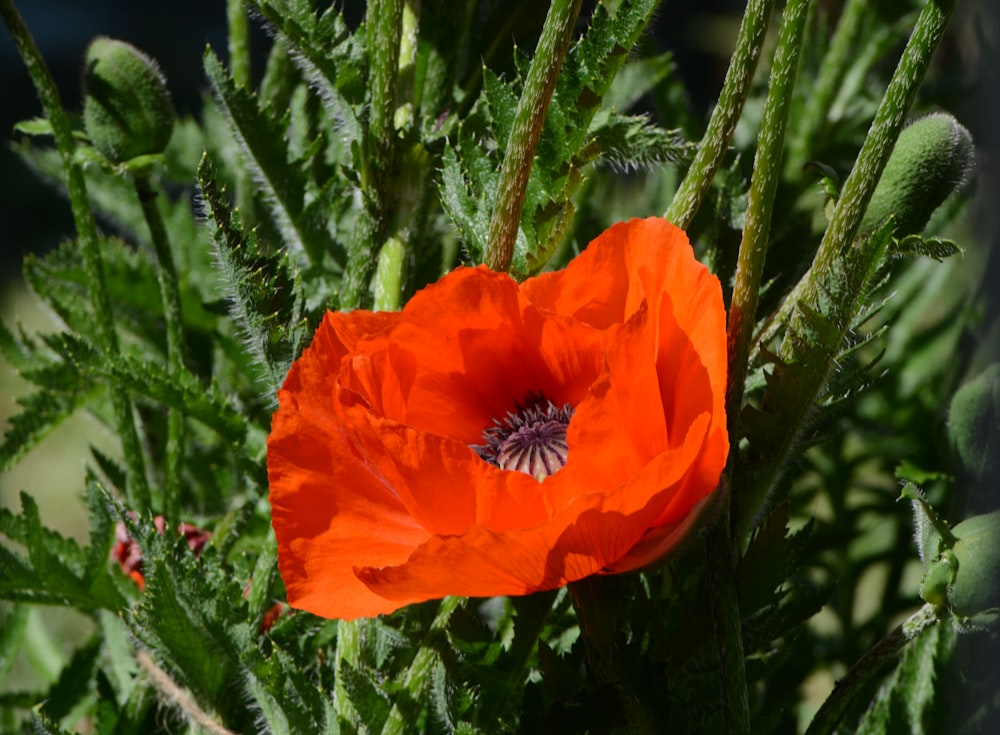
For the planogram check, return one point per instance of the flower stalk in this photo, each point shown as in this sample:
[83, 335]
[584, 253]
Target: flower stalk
[726, 625]
[715, 143]
[529, 119]
[385, 26]
[760, 201]
[835, 282]
[170, 296]
[595, 600]
[137, 485]
[239, 42]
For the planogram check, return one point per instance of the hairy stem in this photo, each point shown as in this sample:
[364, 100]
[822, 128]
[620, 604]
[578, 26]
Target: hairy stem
[595, 600]
[529, 119]
[837, 278]
[715, 143]
[239, 42]
[170, 297]
[137, 485]
[760, 202]
[384, 20]
[726, 626]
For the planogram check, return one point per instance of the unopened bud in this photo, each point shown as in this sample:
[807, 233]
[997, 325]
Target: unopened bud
[126, 108]
[974, 425]
[933, 157]
[976, 587]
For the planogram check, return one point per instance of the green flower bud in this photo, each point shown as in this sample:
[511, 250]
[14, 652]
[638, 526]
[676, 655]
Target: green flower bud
[933, 157]
[974, 424]
[977, 551]
[126, 107]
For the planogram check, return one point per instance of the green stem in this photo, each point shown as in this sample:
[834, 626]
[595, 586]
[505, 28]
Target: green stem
[170, 297]
[390, 275]
[529, 119]
[137, 486]
[760, 202]
[838, 275]
[418, 675]
[726, 626]
[239, 42]
[885, 129]
[384, 21]
[822, 94]
[239, 67]
[870, 665]
[598, 604]
[715, 144]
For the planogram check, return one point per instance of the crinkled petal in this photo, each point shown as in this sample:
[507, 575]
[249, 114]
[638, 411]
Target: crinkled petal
[627, 264]
[586, 538]
[326, 503]
[466, 351]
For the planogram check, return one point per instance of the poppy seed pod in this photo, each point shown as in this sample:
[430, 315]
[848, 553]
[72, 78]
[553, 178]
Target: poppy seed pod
[933, 157]
[126, 107]
[974, 425]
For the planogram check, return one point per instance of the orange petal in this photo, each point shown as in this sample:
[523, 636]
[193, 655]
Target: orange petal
[327, 503]
[587, 537]
[467, 350]
[626, 264]
[619, 427]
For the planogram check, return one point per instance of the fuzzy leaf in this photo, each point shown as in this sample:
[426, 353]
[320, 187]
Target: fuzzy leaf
[261, 137]
[264, 293]
[915, 245]
[631, 142]
[330, 57]
[55, 570]
[181, 390]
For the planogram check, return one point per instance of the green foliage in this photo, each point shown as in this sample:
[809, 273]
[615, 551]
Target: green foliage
[277, 203]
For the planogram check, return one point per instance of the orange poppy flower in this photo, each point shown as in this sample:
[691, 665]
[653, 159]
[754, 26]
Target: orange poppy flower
[500, 439]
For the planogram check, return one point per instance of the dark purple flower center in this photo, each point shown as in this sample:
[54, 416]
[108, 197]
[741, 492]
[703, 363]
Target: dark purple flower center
[531, 439]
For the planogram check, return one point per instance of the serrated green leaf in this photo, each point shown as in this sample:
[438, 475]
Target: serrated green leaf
[630, 143]
[916, 245]
[261, 136]
[501, 103]
[55, 569]
[469, 216]
[74, 682]
[367, 697]
[180, 390]
[265, 295]
[192, 620]
[331, 58]
[42, 412]
[906, 703]
[13, 625]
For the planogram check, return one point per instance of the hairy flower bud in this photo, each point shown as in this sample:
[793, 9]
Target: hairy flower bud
[933, 157]
[975, 589]
[974, 425]
[126, 108]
